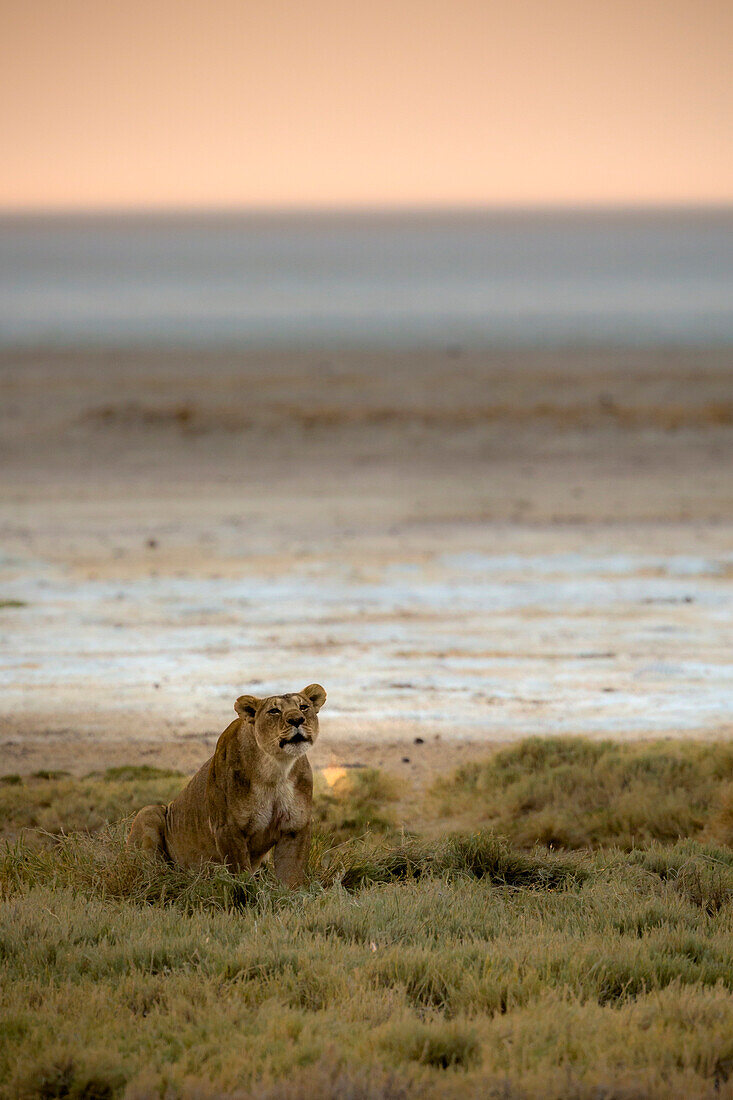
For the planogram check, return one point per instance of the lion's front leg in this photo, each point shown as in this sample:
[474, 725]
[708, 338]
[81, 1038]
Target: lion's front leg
[232, 849]
[291, 855]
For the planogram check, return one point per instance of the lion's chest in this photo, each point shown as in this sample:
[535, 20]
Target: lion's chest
[275, 812]
[273, 816]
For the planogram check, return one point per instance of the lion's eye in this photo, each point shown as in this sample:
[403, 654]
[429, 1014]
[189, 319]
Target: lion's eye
[273, 710]
[304, 706]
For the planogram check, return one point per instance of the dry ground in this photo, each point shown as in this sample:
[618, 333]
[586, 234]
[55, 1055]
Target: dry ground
[466, 548]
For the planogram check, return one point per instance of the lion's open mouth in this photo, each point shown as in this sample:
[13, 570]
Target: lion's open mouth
[296, 739]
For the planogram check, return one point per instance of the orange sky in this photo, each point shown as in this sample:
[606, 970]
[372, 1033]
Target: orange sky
[302, 102]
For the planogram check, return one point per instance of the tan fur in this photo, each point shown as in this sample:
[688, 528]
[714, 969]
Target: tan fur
[253, 795]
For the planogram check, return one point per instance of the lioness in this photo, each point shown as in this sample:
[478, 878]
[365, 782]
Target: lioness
[254, 794]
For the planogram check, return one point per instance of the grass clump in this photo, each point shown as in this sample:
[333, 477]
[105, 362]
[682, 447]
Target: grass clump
[55, 802]
[133, 772]
[438, 1044]
[102, 866]
[357, 803]
[481, 855]
[703, 874]
[85, 1077]
[575, 793]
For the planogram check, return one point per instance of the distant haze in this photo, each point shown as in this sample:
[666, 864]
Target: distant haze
[187, 103]
[368, 279]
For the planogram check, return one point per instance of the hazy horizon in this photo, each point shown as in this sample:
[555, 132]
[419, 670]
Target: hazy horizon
[370, 278]
[335, 210]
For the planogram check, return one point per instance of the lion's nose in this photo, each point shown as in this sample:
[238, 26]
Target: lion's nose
[297, 720]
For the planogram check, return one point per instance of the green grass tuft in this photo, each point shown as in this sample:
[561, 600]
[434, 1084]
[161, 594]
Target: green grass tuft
[357, 804]
[55, 802]
[573, 793]
[130, 772]
[440, 1045]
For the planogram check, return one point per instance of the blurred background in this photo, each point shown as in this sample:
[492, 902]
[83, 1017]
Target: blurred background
[384, 345]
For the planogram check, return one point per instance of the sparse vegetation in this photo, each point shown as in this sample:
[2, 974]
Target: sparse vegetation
[573, 793]
[454, 966]
[55, 802]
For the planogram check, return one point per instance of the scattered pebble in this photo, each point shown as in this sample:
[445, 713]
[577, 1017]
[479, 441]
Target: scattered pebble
[405, 759]
[419, 741]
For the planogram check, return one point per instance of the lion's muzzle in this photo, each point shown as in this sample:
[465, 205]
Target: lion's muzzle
[296, 738]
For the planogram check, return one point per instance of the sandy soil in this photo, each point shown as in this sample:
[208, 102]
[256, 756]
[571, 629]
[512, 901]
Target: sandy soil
[463, 548]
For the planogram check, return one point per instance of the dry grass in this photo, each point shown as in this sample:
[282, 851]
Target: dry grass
[192, 418]
[572, 793]
[462, 966]
[359, 802]
[56, 802]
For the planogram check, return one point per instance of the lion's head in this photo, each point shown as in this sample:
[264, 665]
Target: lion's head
[284, 725]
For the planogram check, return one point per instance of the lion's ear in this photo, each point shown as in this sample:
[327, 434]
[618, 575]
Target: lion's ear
[246, 705]
[316, 694]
